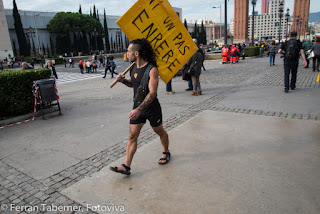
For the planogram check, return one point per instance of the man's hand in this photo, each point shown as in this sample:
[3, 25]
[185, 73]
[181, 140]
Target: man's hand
[134, 114]
[120, 78]
[305, 63]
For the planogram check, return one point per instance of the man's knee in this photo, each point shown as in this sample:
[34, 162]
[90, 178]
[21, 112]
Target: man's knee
[161, 132]
[133, 136]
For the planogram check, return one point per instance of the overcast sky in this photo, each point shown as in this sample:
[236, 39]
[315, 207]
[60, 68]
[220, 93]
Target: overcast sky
[191, 9]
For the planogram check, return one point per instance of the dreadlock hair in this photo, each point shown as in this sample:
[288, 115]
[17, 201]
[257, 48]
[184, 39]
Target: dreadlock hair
[145, 50]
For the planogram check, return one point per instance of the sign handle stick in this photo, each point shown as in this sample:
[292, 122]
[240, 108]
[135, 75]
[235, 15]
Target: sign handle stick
[123, 73]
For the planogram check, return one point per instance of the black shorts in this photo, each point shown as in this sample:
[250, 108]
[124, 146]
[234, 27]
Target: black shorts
[152, 113]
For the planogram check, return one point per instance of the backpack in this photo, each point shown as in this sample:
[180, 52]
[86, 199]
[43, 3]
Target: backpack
[113, 65]
[292, 49]
[309, 45]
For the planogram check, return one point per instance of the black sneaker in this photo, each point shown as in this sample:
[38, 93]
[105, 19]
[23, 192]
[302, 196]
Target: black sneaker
[286, 90]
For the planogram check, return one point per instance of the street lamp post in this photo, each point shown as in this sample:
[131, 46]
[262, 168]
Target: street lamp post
[287, 19]
[280, 16]
[220, 18]
[253, 2]
[225, 22]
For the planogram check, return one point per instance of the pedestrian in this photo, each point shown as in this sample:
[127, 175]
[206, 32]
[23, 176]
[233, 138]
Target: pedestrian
[81, 66]
[25, 66]
[65, 61]
[144, 78]
[193, 67]
[273, 49]
[316, 59]
[1, 65]
[225, 52]
[243, 49]
[70, 62]
[169, 88]
[88, 66]
[94, 66]
[113, 66]
[100, 61]
[108, 66]
[52, 68]
[291, 50]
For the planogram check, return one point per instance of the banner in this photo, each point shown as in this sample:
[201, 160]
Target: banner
[157, 21]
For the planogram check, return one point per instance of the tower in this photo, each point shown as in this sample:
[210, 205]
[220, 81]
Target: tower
[241, 9]
[5, 43]
[265, 7]
[300, 17]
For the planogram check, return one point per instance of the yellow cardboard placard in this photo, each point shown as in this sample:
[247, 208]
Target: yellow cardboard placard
[157, 21]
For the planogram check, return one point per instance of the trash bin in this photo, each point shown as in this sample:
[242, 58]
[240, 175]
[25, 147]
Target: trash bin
[48, 94]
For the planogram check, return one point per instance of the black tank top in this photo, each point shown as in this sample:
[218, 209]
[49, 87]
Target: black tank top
[136, 75]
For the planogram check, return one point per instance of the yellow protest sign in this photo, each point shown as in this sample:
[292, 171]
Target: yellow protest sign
[157, 21]
[220, 45]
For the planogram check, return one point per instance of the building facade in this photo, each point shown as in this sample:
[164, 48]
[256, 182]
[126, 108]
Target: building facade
[267, 26]
[213, 32]
[5, 43]
[35, 27]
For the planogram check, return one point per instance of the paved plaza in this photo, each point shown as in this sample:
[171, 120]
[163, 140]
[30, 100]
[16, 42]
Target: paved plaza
[244, 146]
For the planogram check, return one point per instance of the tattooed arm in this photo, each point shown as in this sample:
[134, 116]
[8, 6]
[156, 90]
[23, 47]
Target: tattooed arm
[121, 78]
[153, 87]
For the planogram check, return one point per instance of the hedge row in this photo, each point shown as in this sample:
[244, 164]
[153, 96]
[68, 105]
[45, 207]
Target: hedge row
[16, 97]
[252, 51]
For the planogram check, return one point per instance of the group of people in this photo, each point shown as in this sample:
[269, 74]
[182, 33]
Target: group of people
[308, 47]
[233, 52]
[89, 66]
[191, 72]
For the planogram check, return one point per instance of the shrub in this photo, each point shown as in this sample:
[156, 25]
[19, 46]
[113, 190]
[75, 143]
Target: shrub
[16, 97]
[252, 51]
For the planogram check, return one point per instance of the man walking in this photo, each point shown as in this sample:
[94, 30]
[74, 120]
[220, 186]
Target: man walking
[291, 50]
[144, 81]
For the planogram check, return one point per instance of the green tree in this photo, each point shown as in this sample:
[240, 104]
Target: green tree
[94, 12]
[185, 24]
[14, 47]
[63, 24]
[24, 48]
[106, 33]
[80, 11]
[90, 13]
[43, 49]
[203, 35]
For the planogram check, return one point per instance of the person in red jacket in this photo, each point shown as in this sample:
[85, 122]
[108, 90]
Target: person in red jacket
[225, 52]
[233, 54]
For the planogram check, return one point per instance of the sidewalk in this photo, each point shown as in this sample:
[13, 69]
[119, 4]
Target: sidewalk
[243, 146]
[221, 163]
